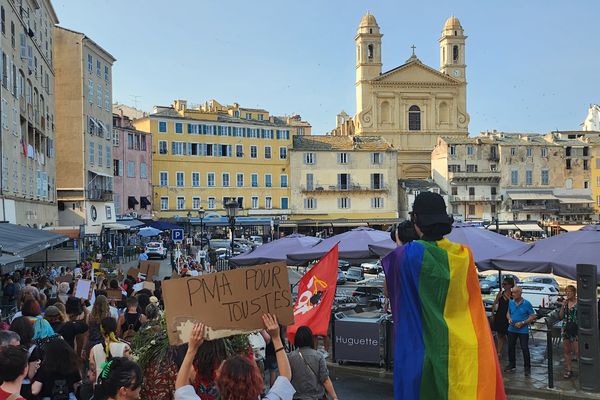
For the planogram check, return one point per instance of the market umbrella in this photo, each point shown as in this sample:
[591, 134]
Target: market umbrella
[163, 225]
[276, 250]
[354, 246]
[483, 243]
[149, 232]
[558, 254]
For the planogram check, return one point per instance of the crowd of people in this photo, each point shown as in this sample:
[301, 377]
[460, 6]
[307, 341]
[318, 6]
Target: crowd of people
[55, 346]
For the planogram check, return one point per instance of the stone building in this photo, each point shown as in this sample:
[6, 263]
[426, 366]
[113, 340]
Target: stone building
[409, 189]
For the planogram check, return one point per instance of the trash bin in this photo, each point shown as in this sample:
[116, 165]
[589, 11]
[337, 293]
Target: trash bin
[360, 337]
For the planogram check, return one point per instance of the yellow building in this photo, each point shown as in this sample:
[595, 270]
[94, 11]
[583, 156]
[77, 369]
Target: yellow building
[412, 104]
[343, 181]
[206, 155]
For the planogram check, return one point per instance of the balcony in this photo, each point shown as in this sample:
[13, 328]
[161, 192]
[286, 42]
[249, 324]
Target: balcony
[475, 199]
[100, 194]
[479, 176]
[576, 210]
[547, 207]
[323, 188]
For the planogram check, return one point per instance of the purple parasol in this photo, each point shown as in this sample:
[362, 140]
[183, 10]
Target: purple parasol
[276, 250]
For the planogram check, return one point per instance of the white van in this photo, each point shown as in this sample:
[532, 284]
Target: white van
[538, 294]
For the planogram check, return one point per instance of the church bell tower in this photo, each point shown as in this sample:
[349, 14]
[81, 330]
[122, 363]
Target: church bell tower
[368, 58]
[452, 49]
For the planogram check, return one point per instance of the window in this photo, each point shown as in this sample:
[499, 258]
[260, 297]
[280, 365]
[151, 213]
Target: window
[568, 163]
[514, 177]
[100, 157]
[529, 177]
[376, 181]
[179, 179]
[164, 178]
[130, 141]
[544, 152]
[98, 68]
[455, 53]
[454, 209]
[195, 179]
[91, 91]
[343, 181]
[162, 126]
[248, 115]
[377, 202]
[470, 150]
[100, 96]
[493, 191]
[253, 152]
[586, 184]
[586, 165]
[90, 63]
[131, 169]
[108, 156]
[586, 151]
[598, 200]
[164, 203]
[342, 158]
[377, 158]
[117, 168]
[268, 180]
[493, 209]
[454, 191]
[310, 158]
[267, 152]
[180, 203]
[254, 180]
[545, 177]
[283, 180]
[453, 167]
[92, 148]
[211, 203]
[471, 167]
[344, 202]
[268, 202]
[254, 202]
[310, 182]
[568, 151]
[529, 152]
[239, 150]
[471, 209]
[513, 151]
[195, 203]
[178, 127]
[598, 181]
[452, 150]
[414, 118]
[143, 142]
[106, 73]
[283, 153]
[210, 179]
[310, 203]
[239, 180]
[162, 147]
[225, 179]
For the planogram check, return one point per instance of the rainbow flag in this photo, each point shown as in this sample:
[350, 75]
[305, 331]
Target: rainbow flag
[443, 342]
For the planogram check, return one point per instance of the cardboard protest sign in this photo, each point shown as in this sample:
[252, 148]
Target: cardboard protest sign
[114, 294]
[83, 290]
[65, 278]
[227, 302]
[133, 272]
[144, 285]
[149, 269]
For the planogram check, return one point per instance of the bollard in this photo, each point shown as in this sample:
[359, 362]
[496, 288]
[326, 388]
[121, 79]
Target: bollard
[549, 352]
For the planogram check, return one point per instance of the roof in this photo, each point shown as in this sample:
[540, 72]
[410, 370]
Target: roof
[417, 183]
[89, 39]
[452, 23]
[22, 241]
[466, 140]
[169, 112]
[352, 143]
[415, 61]
[368, 20]
[531, 195]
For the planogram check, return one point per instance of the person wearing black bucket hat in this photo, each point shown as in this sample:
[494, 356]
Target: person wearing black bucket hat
[429, 216]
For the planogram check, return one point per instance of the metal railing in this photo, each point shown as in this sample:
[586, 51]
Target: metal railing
[352, 187]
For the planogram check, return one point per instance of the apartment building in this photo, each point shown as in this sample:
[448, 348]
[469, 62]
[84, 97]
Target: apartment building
[208, 154]
[84, 132]
[132, 168]
[27, 114]
[349, 180]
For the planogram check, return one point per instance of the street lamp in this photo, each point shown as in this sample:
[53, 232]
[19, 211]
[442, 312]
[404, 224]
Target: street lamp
[189, 223]
[232, 208]
[201, 214]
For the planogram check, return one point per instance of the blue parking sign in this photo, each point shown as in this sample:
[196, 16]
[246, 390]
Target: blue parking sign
[177, 235]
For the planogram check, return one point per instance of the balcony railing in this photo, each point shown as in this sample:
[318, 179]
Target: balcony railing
[473, 198]
[478, 175]
[321, 188]
[576, 210]
[550, 207]
[100, 194]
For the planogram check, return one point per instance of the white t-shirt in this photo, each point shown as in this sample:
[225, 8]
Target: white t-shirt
[113, 311]
[282, 389]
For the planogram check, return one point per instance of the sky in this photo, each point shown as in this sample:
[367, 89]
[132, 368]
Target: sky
[532, 66]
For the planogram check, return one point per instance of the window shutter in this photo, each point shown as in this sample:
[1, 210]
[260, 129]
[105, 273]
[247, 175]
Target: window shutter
[339, 181]
[229, 150]
[338, 157]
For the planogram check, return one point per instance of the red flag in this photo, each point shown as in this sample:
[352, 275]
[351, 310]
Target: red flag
[316, 292]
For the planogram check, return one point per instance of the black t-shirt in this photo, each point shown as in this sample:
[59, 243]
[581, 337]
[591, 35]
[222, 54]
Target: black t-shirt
[47, 379]
[70, 329]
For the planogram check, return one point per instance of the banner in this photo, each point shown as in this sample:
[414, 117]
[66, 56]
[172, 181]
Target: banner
[316, 292]
[228, 302]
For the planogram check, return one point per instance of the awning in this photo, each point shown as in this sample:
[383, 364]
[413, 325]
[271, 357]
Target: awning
[131, 223]
[503, 227]
[132, 201]
[571, 228]
[70, 232]
[531, 196]
[9, 264]
[348, 224]
[532, 227]
[116, 227]
[22, 241]
[95, 122]
[144, 202]
[576, 200]
[93, 230]
[101, 174]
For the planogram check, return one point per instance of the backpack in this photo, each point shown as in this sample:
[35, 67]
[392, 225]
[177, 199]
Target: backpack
[60, 390]
[129, 333]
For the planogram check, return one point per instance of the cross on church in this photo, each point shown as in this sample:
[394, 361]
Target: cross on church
[413, 47]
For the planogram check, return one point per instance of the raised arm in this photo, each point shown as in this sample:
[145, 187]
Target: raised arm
[272, 326]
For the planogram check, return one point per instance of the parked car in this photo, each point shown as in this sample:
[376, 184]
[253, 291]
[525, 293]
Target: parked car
[344, 265]
[355, 274]
[372, 267]
[257, 240]
[542, 279]
[539, 294]
[369, 290]
[238, 248]
[341, 278]
[491, 282]
[156, 249]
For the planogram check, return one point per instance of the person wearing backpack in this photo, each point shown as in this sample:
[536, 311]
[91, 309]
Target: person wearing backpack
[58, 375]
[131, 320]
[111, 347]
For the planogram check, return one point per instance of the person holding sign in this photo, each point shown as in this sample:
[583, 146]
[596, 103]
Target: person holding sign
[238, 377]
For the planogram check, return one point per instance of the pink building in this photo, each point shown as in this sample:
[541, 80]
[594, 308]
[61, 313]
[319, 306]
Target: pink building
[132, 161]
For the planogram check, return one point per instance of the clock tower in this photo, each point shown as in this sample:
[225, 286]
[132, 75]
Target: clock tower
[452, 50]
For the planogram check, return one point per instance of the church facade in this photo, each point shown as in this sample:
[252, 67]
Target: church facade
[411, 105]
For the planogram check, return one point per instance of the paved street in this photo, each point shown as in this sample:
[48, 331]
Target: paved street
[350, 386]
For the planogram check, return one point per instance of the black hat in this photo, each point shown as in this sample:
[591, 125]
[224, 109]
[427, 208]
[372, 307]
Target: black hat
[430, 209]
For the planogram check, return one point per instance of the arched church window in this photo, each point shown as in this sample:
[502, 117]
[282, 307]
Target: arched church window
[370, 30]
[455, 54]
[414, 118]
[370, 51]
